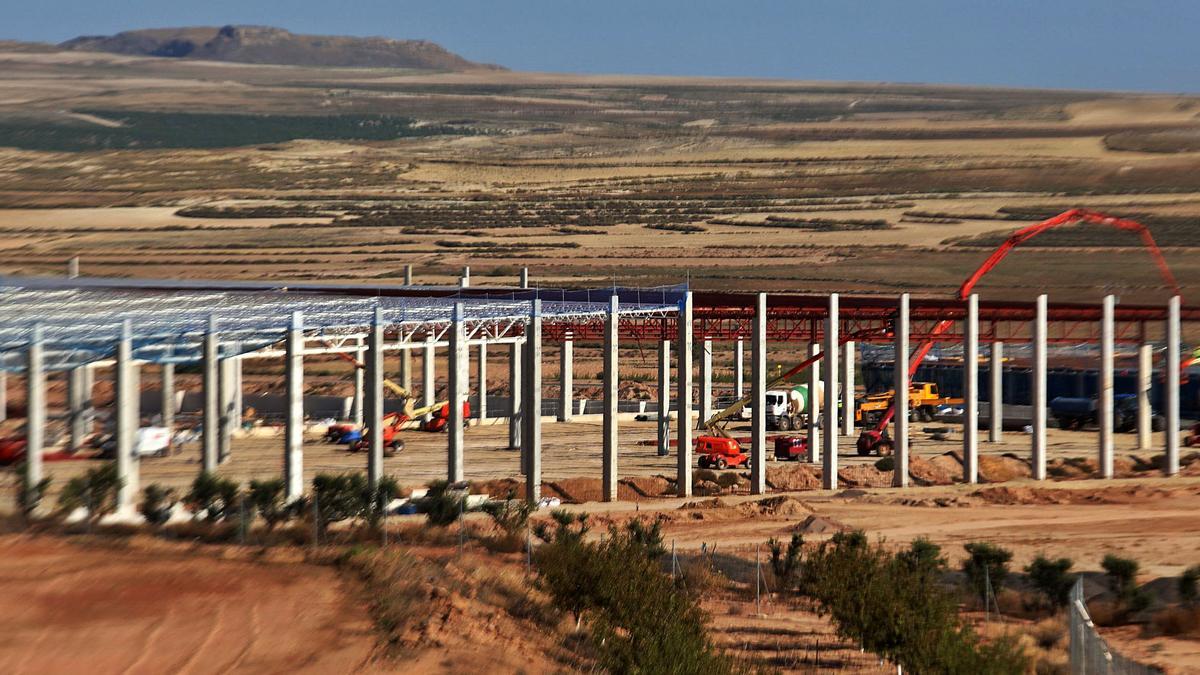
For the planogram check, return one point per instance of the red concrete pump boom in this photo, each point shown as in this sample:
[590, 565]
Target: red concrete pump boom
[871, 439]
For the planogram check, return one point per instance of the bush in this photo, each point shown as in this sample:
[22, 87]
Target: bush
[217, 497]
[728, 480]
[1188, 590]
[267, 499]
[640, 622]
[1052, 579]
[442, 506]
[647, 537]
[157, 502]
[895, 607]
[923, 556]
[350, 495]
[510, 515]
[29, 495]
[886, 464]
[786, 565]
[95, 491]
[987, 563]
[1122, 581]
[1176, 621]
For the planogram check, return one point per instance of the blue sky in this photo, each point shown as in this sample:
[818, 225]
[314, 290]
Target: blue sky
[1150, 45]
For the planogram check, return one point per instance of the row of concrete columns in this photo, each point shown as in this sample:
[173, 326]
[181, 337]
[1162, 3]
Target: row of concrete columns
[221, 412]
[464, 278]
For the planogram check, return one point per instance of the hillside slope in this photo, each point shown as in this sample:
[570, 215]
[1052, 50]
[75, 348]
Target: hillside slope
[264, 44]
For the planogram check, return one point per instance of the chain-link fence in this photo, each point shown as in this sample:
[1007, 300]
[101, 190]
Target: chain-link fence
[1090, 654]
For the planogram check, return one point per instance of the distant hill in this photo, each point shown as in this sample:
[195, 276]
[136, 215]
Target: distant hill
[264, 44]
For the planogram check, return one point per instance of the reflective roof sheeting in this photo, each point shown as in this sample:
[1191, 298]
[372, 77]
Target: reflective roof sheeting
[81, 320]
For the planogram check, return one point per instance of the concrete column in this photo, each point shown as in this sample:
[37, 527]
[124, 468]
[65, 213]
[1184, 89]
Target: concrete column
[1105, 404]
[459, 364]
[970, 432]
[373, 397]
[167, 374]
[739, 369]
[293, 432]
[532, 436]
[996, 394]
[900, 386]
[848, 389]
[610, 403]
[428, 382]
[1172, 367]
[524, 277]
[3, 395]
[408, 275]
[706, 383]
[514, 399]
[566, 379]
[683, 474]
[238, 393]
[813, 404]
[758, 398]
[212, 401]
[78, 399]
[225, 383]
[465, 280]
[406, 378]
[359, 403]
[128, 419]
[1038, 439]
[664, 398]
[1145, 381]
[35, 404]
[73, 268]
[481, 375]
[830, 420]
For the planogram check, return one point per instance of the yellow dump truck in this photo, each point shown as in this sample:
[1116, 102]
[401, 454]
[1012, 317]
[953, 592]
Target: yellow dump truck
[923, 402]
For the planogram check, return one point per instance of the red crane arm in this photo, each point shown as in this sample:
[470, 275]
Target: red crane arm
[1017, 238]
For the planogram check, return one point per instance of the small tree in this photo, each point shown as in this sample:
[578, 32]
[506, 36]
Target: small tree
[987, 563]
[510, 514]
[923, 556]
[1122, 581]
[338, 496]
[1188, 585]
[29, 495]
[267, 499]
[375, 500]
[157, 502]
[786, 565]
[217, 497]
[442, 506]
[95, 491]
[1052, 579]
[647, 537]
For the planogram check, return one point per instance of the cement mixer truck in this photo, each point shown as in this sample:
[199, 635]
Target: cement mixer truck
[787, 409]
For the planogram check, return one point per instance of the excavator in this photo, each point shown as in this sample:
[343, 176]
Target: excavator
[876, 440]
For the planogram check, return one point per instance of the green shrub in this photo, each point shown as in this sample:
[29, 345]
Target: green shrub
[217, 497]
[29, 495]
[266, 497]
[1052, 579]
[1188, 590]
[648, 538]
[894, 606]
[785, 565]
[728, 480]
[1122, 581]
[442, 506]
[639, 620]
[923, 557]
[886, 464]
[157, 502]
[96, 491]
[511, 514]
[986, 563]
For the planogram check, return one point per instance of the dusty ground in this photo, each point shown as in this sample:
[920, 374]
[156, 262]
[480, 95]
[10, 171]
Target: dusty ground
[106, 608]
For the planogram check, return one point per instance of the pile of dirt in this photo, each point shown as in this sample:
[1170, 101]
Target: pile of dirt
[1002, 469]
[925, 472]
[649, 486]
[580, 490]
[1007, 495]
[776, 506]
[794, 477]
[864, 475]
[636, 392]
[704, 505]
[498, 488]
[950, 462]
[817, 524]
[939, 502]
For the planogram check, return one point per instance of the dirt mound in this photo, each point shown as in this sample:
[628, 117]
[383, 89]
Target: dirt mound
[939, 502]
[925, 472]
[864, 475]
[1024, 495]
[817, 524]
[1002, 469]
[649, 486]
[499, 488]
[794, 477]
[950, 462]
[776, 506]
[704, 505]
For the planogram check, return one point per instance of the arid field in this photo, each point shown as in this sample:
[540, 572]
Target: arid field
[161, 168]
